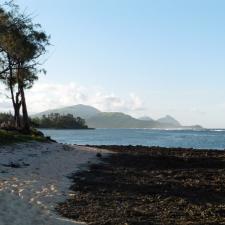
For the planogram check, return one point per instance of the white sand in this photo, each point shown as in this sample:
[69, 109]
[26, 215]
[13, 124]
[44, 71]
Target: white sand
[28, 195]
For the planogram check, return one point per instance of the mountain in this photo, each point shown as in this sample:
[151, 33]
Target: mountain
[83, 111]
[170, 121]
[97, 119]
[118, 120]
[147, 118]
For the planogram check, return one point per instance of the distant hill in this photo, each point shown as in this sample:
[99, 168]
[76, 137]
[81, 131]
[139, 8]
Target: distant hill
[170, 121]
[119, 120]
[83, 111]
[147, 118]
[97, 119]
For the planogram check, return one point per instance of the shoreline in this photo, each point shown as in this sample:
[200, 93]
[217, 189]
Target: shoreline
[89, 128]
[131, 148]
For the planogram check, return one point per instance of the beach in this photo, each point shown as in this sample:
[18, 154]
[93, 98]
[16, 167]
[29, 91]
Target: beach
[150, 185]
[34, 177]
[52, 183]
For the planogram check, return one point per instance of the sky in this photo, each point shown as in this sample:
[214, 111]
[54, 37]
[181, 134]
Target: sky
[141, 57]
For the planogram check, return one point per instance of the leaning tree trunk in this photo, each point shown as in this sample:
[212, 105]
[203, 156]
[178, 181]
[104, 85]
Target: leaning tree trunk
[25, 117]
[16, 106]
[17, 110]
[17, 117]
[26, 122]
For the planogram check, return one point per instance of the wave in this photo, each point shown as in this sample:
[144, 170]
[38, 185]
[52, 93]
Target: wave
[217, 130]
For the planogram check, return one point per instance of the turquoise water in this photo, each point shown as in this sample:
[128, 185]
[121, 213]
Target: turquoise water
[205, 139]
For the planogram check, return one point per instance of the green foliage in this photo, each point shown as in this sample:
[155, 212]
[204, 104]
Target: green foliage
[5, 117]
[10, 137]
[57, 121]
[22, 43]
[23, 40]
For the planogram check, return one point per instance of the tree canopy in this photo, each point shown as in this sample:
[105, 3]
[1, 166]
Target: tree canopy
[57, 121]
[22, 43]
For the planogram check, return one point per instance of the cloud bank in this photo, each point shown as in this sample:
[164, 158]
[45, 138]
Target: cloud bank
[45, 96]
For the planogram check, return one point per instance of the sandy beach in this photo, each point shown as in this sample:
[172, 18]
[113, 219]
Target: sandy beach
[34, 177]
[57, 184]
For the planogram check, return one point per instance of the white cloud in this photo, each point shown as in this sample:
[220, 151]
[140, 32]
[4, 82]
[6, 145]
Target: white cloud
[5, 104]
[111, 102]
[45, 96]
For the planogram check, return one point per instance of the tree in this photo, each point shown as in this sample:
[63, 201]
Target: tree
[6, 62]
[22, 43]
[57, 121]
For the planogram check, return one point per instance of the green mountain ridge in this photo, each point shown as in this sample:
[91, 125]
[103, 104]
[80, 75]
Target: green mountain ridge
[118, 120]
[97, 119]
[83, 111]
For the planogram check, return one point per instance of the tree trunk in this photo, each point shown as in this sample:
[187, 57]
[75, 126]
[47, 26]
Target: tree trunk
[16, 106]
[25, 117]
[16, 110]
[26, 122]
[17, 117]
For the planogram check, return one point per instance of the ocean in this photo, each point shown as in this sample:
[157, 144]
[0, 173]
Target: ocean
[200, 139]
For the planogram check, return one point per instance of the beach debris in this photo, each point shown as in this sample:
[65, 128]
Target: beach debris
[143, 185]
[16, 165]
[99, 155]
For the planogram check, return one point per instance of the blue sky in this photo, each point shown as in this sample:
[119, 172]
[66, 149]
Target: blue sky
[147, 57]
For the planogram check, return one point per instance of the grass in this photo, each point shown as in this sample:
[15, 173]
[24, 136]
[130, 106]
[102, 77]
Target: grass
[11, 137]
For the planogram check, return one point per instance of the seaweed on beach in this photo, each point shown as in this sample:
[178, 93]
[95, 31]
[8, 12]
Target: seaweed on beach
[141, 185]
[16, 165]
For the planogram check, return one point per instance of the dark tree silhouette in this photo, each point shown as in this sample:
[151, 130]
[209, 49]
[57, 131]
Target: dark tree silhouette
[22, 43]
[57, 121]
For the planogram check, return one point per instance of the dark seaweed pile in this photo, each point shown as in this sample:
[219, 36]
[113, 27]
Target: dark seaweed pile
[141, 185]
